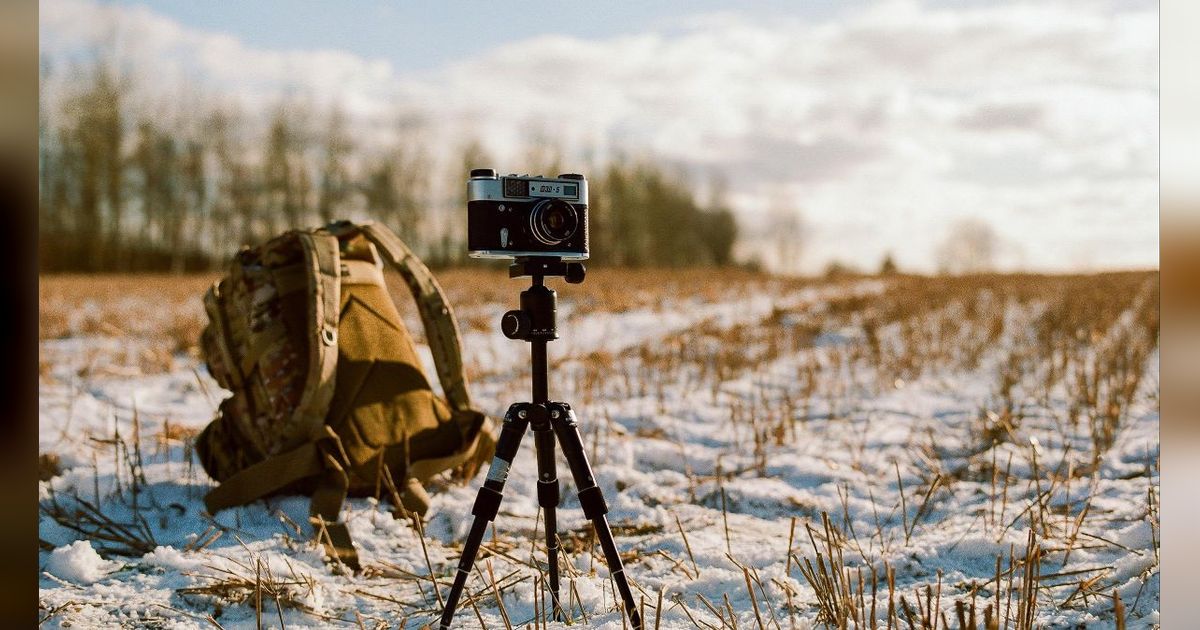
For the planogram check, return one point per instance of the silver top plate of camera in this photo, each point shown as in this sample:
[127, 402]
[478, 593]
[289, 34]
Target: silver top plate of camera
[524, 188]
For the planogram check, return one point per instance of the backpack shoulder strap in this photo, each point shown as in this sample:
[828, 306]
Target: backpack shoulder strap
[441, 329]
[321, 260]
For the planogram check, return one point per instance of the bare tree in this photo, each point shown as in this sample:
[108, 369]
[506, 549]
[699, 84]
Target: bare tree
[969, 247]
[285, 176]
[643, 215]
[887, 266]
[334, 176]
[394, 190]
[239, 184]
[472, 155]
[188, 217]
[218, 130]
[397, 184]
[94, 138]
[245, 189]
[450, 246]
[157, 160]
[48, 214]
[787, 234]
[55, 161]
[277, 173]
[145, 159]
[213, 179]
[109, 94]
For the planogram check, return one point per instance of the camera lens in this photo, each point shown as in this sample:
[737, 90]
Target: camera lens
[553, 221]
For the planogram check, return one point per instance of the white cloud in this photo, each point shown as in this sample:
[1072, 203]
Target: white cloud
[166, 60]
[882, 127]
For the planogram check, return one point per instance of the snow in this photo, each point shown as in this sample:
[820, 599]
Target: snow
[670, 452]
[79, 563]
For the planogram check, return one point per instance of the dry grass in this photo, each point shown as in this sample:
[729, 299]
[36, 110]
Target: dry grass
[250, 581]
[608, 289]
[49, 466]
[1065, 357]
[89, 520]
[852, 597]
[117, 305]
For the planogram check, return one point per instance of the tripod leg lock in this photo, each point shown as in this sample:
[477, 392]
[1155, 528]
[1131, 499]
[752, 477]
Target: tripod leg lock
[543, 437]
[592, 502]
[548, 493]
[487, 503]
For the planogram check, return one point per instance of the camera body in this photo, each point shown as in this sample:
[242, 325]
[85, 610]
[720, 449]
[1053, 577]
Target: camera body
[515, 216]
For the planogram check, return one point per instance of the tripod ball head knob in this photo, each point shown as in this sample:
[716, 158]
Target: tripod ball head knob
[575, 273]
[515, 324]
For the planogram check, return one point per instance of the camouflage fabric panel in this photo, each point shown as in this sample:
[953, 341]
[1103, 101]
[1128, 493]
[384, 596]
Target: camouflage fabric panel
[264, 305]
[266, 335]
[214, 358]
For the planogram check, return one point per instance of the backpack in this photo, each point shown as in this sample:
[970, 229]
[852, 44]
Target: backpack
[329, 396]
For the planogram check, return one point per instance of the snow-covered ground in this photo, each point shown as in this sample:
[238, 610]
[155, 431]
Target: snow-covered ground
[720, 431]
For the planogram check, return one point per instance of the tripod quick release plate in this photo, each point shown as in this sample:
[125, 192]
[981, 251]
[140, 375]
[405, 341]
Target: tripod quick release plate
[572, 272]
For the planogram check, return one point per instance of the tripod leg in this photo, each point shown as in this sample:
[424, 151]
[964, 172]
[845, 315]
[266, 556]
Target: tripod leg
[548, 498]
[487, 502]
[562, 418]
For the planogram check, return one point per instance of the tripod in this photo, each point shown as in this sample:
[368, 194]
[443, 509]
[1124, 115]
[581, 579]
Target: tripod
[534, 322]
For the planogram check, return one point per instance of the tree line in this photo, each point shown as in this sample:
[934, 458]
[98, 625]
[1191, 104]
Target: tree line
[123, 189]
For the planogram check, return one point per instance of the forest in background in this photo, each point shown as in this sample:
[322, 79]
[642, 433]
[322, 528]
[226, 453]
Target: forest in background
[125, 189]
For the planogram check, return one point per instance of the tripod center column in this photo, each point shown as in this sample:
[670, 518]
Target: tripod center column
[540, 305]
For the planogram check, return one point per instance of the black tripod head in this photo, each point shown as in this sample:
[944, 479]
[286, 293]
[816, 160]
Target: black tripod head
[535, 320]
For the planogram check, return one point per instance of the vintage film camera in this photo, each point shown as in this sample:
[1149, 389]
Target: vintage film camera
[513, 216]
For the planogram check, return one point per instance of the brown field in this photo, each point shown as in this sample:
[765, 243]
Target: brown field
[80, 304]
[1055, 372]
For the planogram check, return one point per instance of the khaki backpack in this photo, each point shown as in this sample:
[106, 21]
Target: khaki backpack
[329, 397]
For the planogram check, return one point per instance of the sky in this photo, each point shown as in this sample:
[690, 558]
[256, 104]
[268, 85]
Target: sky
[874, 126]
